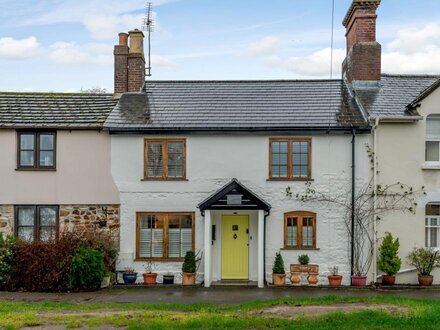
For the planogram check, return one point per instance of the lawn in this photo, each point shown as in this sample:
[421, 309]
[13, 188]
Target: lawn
[319, 313]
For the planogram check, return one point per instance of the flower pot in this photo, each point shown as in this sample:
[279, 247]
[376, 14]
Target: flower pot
[304, 268]
[168, 279]
[189, 278]
[150, 278]
[105, 283]
[388, 279]
[359, 281]
[426, 280]
[295, 268]
[312, 268]
[129, 278]
[279, 279]
[334, 280]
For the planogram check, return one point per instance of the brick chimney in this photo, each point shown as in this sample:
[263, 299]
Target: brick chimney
[363, 60]
[129, 62]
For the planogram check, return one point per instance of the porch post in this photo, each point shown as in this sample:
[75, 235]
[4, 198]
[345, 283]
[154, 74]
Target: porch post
[208, 236]
[261, 249]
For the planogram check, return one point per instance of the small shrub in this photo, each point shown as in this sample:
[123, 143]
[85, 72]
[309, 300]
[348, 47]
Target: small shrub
[303, 259]
[190, 262]
[278, 265]
[87, 269]
[389, 261]
[7, 246]
[424, 259]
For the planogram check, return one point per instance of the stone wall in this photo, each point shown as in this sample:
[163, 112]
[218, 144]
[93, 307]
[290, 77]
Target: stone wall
[6, 219]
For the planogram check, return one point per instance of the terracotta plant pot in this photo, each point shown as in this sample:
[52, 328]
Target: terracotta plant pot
[312, 268]
[304, 268]
[359, 281]
[279, 279]
[426, 280]
[188, 278]
[334, 280]
[295, 268]
[150, 278]
[388, 279]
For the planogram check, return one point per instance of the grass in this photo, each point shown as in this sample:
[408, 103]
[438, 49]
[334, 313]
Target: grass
[421, 314]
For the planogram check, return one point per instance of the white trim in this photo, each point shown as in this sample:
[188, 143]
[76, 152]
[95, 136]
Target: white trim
[208, 243]
[261, 248]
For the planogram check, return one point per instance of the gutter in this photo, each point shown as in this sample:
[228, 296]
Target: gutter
[395, 119]
[374, 129]
[264, 247]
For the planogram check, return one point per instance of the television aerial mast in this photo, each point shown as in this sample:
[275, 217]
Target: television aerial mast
[148, 26]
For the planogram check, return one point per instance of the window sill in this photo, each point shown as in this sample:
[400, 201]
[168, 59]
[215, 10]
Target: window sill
[299, 249]
[164, 179]
[36, 169]
[290, 179]
[431, 166]
[160, 259]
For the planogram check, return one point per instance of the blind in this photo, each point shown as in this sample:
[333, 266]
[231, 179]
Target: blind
[433, 127]
[179, 242]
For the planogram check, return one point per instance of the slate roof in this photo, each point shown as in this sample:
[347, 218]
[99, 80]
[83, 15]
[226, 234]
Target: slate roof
[54, 110]
[395, 93]
[236, 105]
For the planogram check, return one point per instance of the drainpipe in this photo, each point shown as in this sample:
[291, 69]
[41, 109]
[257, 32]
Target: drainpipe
[376, 125]
[353, 184]
[264, 248]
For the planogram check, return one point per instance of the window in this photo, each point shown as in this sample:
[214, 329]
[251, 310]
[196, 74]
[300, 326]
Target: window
[432, 146]
[165, 159]
[36, 150]
[290, 159]
[432, 225]
[36, 222]
[300, 230]
[164, 235]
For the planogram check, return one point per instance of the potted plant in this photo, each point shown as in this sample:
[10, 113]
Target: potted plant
[168, 278]
[334, 279]
[424, 260]
[106, 280]
[129, 276]
[149, 275]
[189, 268]
[389, 261]
[279, 274]
[303, 261]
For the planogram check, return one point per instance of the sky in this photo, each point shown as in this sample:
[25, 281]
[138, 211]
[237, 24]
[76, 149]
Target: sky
[67, 45]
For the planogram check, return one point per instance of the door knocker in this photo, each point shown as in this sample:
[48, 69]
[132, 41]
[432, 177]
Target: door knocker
[235, 236]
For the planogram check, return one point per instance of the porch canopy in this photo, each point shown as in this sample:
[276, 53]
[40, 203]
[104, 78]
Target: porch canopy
[234, 196]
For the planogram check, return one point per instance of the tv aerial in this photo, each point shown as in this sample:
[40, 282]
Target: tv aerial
[148, 26]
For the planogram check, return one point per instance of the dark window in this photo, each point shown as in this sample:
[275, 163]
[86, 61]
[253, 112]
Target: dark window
[36, 222]
[164, 159]
[290, 159]
[36, 150]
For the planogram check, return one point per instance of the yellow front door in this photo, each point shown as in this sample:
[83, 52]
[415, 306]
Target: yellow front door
[235, 249]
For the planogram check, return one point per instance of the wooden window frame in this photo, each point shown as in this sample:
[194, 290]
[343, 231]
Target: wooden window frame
[165, 235]
[290, 142]
[37, 219]
[300, 215]
[164, 176]
[36, 166]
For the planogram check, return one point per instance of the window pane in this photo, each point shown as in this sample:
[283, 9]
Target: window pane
[46, 141]
[151, 236]
[432, 209]
[307, 232]
[179, 235]
[155, 161]
[25, 233]
[46, 158]
[296, 171]
[292, 232]
[433, 127]
[48, 216]
[304, 171]
[27, 141]
[26, 216]
[432, 151]
[47, 233]
[26, 158]
[175, 159]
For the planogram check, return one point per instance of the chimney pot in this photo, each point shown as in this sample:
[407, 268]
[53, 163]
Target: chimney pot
[123, 39]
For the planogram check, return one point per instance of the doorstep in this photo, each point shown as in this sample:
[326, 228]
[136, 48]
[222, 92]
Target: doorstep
[234, 283]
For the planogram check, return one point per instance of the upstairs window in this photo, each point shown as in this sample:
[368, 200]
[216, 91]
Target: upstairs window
[432, 146]
[36, 222]
[164, 235]
[165, 159]
[432, 225]
[36, 150]
[300, 230]
[290, 159]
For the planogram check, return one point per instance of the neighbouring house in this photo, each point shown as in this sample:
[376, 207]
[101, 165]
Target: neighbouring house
[55, 165]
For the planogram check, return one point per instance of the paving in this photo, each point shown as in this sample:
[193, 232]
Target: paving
[215, 295]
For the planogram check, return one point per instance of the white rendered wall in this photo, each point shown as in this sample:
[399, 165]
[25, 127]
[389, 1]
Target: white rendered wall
[212, 161]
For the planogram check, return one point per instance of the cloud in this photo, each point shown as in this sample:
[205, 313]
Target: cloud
[108, 26]
[162, 62]
[19, 49]
[265, 46]
[72, 54]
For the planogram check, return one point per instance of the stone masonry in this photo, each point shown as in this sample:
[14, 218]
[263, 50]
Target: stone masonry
[6, 219]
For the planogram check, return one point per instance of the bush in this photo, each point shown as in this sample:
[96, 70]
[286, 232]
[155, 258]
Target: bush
[424, 259]
[389, 261]
[87, 269]
[278, 265]
[303, 259]
[6, 258]
[190, 262]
